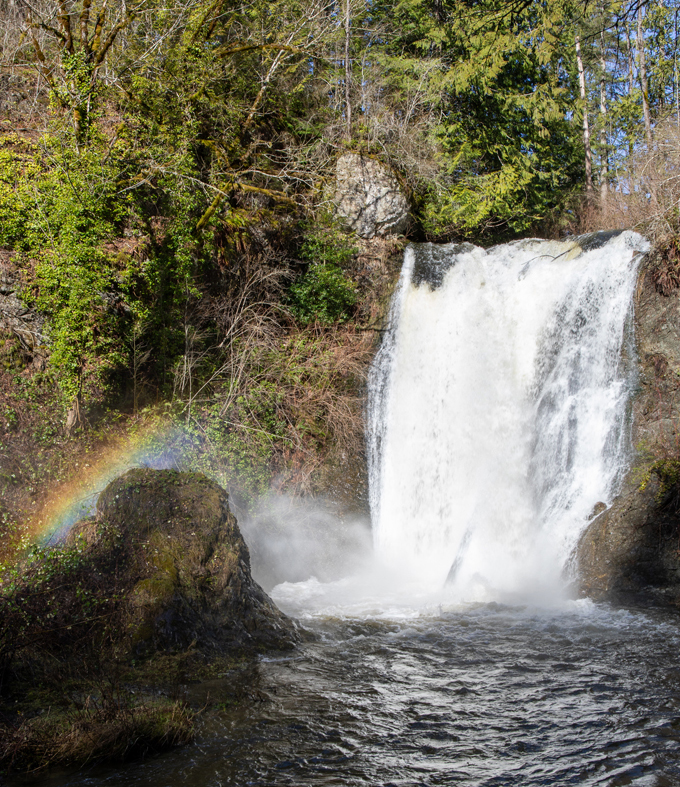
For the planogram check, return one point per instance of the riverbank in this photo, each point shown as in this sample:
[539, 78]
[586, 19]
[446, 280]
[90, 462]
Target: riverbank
[154, 590]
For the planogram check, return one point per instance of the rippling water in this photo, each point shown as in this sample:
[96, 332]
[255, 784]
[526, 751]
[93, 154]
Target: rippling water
[477, 695]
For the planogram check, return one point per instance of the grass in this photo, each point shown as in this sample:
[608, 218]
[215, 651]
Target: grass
[97, 731]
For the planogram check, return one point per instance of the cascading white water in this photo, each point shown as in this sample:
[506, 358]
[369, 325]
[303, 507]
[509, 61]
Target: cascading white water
[498, 407]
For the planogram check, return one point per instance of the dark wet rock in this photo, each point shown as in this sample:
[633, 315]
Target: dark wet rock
[186, 567]
[161, 570]
[631, 548]
[155, 590]
[369, 197]
[598, 508]
[596, 240]
[634, 546]
[432, 261]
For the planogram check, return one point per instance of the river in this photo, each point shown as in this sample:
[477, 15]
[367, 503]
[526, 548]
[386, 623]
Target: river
[481, 694]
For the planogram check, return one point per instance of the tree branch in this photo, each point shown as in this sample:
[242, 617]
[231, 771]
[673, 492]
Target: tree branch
[101, 54]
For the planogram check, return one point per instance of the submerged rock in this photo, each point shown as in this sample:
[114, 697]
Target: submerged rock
[368, 196]
[633, 548]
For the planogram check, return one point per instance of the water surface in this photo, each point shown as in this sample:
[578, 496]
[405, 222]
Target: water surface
[476, 695]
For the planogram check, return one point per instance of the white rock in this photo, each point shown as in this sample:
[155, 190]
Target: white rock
[369, 198]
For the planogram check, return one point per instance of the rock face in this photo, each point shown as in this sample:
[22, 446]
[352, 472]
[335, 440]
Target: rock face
[25, 323]
[183, 568]
[633, 547]
[369, 198]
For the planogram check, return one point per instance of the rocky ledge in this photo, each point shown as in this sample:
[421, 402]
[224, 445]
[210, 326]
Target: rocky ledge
[632, 549]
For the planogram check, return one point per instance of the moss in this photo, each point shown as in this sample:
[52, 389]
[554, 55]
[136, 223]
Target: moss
[667, 471]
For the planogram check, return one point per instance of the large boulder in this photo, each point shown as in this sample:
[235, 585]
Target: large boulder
[369, 198]
[633, 547]
[186, 567]
[153, 590]
[161, 570]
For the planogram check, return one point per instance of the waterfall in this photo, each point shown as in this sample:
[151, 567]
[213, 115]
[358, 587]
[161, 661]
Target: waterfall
[499, 407]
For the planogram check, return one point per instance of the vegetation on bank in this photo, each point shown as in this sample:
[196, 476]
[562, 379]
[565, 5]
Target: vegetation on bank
[98, 634]
[112, 728]
[166, 175]
[62, 700]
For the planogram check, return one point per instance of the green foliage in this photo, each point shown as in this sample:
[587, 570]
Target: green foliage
[326, 244]
[323, 294]
[16, 167]
[68, 208]
[65, 207]
[501, 86]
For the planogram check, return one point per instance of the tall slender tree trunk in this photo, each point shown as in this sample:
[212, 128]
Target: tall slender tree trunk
[643, 80]
[677, 79]
[586, 127]
[642, 68]
[677, 93]
[604, 158]
[348, 70]
[631, 90]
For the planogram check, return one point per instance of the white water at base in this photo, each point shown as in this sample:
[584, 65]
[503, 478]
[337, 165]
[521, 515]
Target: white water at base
[498, 409]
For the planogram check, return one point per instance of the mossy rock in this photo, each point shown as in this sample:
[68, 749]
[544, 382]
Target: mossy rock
[188, 580]
[162, 569]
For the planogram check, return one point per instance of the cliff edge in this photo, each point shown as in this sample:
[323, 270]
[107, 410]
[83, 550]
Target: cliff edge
[633, 547]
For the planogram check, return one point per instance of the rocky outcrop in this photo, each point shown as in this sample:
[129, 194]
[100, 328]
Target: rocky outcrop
[188, 580]
[155, 590]
[369, 198]
[25, 323]
[161, 570]
[633, 547]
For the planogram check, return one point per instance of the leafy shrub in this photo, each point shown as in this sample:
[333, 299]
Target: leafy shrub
[324, 294]
[325, 244]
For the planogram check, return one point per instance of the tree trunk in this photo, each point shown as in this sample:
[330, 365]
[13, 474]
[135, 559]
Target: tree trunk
[677, 93]
[348, 70]
[631, 90]
[645, 108]
[586, 127]
[643, 81]
[677, 80]
[604, 159]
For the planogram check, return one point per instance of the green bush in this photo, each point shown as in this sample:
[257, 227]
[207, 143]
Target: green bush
[325, 244]
[323, 294]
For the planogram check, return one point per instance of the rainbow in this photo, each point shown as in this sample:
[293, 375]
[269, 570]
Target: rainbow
[156, 444]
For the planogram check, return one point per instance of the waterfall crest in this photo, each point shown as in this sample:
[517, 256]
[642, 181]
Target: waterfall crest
[498, 407]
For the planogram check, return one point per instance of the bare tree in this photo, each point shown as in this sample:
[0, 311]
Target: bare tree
[586, 127]
[348, 69]
[642, 69]
[604, 158]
